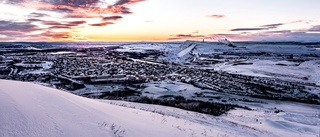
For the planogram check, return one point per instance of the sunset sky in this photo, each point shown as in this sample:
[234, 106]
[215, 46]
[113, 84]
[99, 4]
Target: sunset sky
[159, 20]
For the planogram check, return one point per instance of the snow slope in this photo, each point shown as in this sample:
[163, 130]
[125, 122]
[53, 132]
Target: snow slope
[28, 109]
[186, 50]
[33, 110]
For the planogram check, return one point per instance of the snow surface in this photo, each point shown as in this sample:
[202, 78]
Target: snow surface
[297, 119]
[161, 88]
[33, 110]
[44, 64]
[141, 48]
[308, 71]
[186, 50]
[62, 52]
[44, 68]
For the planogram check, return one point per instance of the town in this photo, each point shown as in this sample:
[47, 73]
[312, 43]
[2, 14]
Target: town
[74, 69]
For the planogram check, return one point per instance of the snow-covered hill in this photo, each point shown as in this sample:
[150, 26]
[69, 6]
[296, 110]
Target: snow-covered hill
[28, 109]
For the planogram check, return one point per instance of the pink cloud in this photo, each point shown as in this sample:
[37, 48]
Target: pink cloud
[111, 18]
[101, 24]
[185, 36]
[217, 16]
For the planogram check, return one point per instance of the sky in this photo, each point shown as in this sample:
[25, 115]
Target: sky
[159, 20]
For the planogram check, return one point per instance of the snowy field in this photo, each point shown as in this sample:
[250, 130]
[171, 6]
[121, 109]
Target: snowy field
[34, 110]
[139, 47]
[308, 71]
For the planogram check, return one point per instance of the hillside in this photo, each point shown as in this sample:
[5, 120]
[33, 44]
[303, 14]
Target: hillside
[29, 109]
